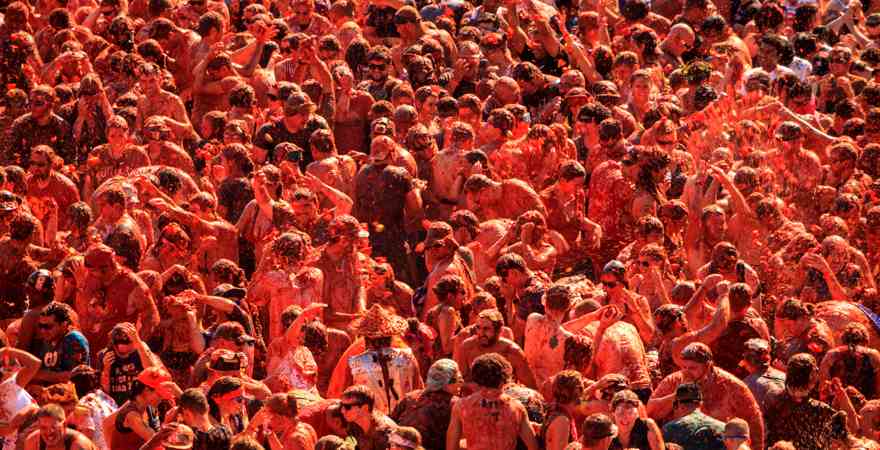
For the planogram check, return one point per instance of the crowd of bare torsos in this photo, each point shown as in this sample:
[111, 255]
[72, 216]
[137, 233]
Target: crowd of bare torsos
[430, 242]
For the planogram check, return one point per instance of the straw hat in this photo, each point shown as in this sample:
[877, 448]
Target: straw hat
[379, 322]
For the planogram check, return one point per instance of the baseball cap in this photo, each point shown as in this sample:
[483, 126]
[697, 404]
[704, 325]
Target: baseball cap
[223, 360]
[153, 377]
[441, 374]
[598, 426]
[788, 131]
[688, 392]
[232, 331]
[298, 102]
[182, 438]
[229, 291]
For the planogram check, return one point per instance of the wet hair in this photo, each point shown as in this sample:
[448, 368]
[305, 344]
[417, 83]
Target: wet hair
[226, 271]
[222, 386]
[242, 96]
[568, 387]
[243, 442]
[360, 394]
[210, 20]
[491, 370]
[508, 262]
[61, 312]
[85, 379]
[578, 351]
[559, 297]
[740, 295]
[448, 286]
[315, 336]
[194, 399]
[854, 334]
[80, 215]
[238, 154]
[125, 244]
[22, 227]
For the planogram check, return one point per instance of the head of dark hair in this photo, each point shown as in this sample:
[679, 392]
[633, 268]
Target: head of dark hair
[491, 370]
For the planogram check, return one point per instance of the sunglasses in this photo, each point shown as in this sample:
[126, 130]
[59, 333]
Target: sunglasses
[645, 264]
[372, 66]
[347, 406]
[45, 326]
[610, 284]
[39, 163]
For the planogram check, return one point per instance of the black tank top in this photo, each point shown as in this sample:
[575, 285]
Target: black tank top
[68, 440]
[638, 438]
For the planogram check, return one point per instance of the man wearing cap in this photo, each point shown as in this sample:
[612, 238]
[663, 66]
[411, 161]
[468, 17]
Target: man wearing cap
[596, 433]
[724, 396]
[109, 294]
[297, 126]
[429, 410]
[227, 363]
[797, 417]
[736, 435]
[226, 336]
[162, 148]
[693, 429]
[389, 372]
[137, 420]
[766, 382]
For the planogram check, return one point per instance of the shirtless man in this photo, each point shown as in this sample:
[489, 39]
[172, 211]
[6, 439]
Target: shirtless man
[546, 334]
[343, 289]
[329, 166]
[156, 101]
[108, 293]
[489, 419]
[488, 340]
[506, 199]
[283, 279]
[449, 168]
[725, 396]
[443, 256]
[216, 238]
[160, 147]
[481, 238]
[411, 29]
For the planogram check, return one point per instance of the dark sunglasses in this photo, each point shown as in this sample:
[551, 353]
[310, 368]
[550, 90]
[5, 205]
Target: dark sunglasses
[347, 406]
[610, 284]
[373, 66]
[45, 326]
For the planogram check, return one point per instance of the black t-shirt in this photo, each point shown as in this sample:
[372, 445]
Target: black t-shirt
[123, 372]
[274, 133]
[217, 438]
[234, 194]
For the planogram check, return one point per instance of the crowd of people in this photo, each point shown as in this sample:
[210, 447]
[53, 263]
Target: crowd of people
[439, 224]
